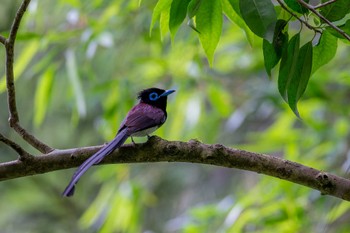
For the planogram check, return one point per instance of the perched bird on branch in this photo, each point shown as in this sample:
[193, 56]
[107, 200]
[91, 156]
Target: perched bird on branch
[143, 119]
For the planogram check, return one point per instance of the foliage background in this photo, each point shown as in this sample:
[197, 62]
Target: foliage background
[79, 66]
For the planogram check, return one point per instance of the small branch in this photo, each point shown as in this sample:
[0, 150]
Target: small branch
[159, 150]
[324, 4]
[15, 25]
[299, 19]
[31, 139]
[24, 155]
[313, 10]
[11, 93]
[10, 45]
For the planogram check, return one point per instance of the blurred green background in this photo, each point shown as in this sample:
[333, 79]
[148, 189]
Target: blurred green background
[79, 65]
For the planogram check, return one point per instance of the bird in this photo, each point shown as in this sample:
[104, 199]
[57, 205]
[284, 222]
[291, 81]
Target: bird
[142, 120]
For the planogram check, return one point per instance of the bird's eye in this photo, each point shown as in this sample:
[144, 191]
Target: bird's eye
[153, 96]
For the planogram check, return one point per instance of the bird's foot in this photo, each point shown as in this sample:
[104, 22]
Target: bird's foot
[133, 142]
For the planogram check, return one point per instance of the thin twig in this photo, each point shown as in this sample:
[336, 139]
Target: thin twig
[299, 19]
[11, 93]
[324, 4]
[312, 9]
[10, 45]
[22, 153]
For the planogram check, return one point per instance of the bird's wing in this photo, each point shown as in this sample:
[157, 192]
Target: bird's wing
[143, 116]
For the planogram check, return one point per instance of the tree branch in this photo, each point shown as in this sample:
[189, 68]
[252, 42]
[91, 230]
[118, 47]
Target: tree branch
[324, 4]
[313, 10]
[159, 150]
[11, 93]
[22, 153]
[297, 17]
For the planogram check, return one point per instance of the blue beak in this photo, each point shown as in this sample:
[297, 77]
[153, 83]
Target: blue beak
[167, 92]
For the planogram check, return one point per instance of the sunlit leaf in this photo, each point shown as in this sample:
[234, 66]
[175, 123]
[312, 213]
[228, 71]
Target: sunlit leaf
[158, 9]
[324, 51]
[260, 16]
[209, 25]
[43, 95]
[21, 62]
[164, 23]
[288, 64]
[178, 12]
[230, 11]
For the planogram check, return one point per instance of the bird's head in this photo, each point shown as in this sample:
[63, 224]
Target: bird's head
[155, 97]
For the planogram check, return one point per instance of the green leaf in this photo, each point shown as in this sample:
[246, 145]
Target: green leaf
[336, 10]
[273, 52]
[161, 6]
[193, 7]
[301, 76]
[288, 64]
[324, 51]
[43, 95]
[270, 57]
[345, 27]
[74, 79]
[235, 6]
[296, 6]
[21, 62]
[260, 16]
[164, 23]
[178, 12]
[231, 13]
[209, 25]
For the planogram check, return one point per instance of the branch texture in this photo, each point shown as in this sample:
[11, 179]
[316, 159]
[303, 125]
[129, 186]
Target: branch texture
[159, 150]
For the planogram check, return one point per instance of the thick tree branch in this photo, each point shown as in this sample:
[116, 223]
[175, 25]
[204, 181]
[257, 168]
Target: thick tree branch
[11, 93]
[159, 150]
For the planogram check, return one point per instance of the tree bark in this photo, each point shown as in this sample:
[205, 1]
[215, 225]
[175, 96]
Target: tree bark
[159, 150]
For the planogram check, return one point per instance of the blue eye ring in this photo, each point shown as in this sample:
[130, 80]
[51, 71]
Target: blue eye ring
[153, 96]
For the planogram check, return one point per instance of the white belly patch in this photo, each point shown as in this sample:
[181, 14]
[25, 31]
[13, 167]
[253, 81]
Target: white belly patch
[145, 132]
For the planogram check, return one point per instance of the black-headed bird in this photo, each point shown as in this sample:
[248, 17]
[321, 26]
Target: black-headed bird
[143, 119]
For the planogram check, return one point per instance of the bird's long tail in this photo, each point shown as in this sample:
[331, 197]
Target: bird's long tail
[95, 159]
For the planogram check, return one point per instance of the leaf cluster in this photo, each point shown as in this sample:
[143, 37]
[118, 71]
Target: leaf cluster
[297, 61]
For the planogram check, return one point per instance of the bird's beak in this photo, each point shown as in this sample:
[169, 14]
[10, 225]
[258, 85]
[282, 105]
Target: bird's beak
[167, 92]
